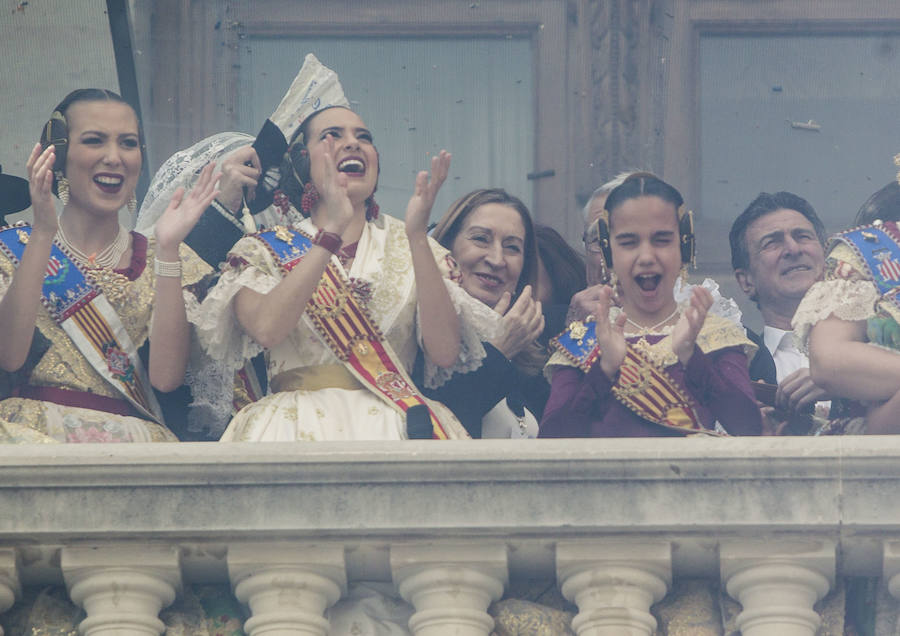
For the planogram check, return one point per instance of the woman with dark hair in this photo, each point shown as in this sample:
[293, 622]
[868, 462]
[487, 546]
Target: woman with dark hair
[340, 296]
[81, 294]
[852, 320]
[561, 275]
[491, 237]
[651, 367]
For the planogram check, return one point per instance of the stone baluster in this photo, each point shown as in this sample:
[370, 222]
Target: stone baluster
[451, 585]
[891, 567]
[288, 586]
[777, 583]
[614, 583]
[10, 587]
[122, 588]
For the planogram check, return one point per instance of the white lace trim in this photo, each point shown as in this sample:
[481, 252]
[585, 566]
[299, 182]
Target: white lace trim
[478, 323]
[722, 306]
[844, 299]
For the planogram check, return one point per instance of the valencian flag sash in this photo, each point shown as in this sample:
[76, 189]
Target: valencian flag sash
[346, 328]
[78, 306]
[642, 387]
[878, 247]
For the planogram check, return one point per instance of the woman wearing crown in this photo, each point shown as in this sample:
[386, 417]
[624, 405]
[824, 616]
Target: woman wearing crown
[340, 297]
[652, 367]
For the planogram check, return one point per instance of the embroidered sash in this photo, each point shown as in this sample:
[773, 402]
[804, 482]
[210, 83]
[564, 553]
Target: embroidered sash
[878, 247]
[346, 328]
[643, 388]
[80, 308]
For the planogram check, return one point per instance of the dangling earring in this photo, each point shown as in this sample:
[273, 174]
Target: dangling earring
[132, 204]
[309, 199]
[62, 190]
[371, 208]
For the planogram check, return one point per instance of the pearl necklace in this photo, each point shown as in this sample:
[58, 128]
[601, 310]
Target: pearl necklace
[643, 331]
[108, 257]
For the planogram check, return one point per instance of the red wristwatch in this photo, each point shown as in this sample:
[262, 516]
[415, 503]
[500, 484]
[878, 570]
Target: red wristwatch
[329, 240]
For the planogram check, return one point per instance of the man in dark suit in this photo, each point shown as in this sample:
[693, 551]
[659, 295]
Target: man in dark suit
[777, 252]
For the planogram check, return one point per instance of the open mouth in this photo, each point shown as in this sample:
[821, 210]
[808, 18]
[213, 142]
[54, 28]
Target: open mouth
[648, 282]
[352, 165]
[109, 183]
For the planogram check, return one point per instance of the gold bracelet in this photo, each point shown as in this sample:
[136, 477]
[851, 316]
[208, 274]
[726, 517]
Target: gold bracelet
[166, 268]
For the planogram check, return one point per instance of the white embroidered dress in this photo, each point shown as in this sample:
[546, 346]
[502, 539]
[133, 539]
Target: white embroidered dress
[329, 409]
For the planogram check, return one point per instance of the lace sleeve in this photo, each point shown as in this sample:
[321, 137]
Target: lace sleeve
[218, 331]
[844, 299]
[846, 293]
[477, 323]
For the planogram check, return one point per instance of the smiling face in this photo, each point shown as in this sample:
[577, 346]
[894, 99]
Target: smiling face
[490, 251]
[646, 256]
[354, 151]
[103, 161]
[786, 258]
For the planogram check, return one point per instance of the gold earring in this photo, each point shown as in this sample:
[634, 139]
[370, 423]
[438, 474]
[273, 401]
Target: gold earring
[132, 204]
[62, 190]
[683, 275]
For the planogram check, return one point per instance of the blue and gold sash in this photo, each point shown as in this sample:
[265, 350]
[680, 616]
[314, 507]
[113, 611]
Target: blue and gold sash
[878, 248]
[79, 307]
[643, 388]
[345, 327]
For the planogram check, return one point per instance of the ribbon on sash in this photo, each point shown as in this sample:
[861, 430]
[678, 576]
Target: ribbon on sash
[79, 307]
[346, 328]
[878, 247]
[643, 388]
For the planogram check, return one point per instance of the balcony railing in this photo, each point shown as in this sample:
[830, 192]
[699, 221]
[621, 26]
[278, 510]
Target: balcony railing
[450, 523]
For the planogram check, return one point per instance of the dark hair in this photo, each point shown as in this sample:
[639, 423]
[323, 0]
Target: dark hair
[294, 171]
[451, 223]
[883, 205]
[565, 267]
[641, 184]
[762, 205]
[56, 130]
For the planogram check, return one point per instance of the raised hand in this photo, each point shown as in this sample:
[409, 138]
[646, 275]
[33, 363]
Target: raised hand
[610, 336]
[335, 211]
[419, 207]
[237, 175]
[521, 324]
[184, 211]
[40, 187]
[684, 335]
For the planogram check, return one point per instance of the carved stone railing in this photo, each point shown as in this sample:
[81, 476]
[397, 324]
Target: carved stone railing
[450, 523]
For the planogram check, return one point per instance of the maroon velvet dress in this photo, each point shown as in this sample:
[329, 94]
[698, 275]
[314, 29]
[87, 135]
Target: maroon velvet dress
[583, 405]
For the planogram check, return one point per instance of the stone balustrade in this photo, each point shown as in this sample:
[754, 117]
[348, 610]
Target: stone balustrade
[615, 522]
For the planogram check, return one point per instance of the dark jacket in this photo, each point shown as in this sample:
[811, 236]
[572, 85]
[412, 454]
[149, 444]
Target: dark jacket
[762, 367]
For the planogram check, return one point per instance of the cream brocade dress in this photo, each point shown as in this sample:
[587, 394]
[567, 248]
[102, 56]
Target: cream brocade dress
[63, 366]
[311, 394]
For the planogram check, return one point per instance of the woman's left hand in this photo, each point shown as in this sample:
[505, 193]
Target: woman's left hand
[419, 207]
[184, 211]
[684, 336]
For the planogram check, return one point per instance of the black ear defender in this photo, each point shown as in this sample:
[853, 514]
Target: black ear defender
[56, 133]
[686, 237]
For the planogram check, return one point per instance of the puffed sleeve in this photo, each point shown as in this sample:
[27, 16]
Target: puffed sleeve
[478, 323]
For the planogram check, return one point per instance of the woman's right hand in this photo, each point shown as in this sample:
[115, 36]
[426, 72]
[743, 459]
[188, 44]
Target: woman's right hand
[521, 324]
[335, 210]
[610, 336]
[240, 169]
[40, 187]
